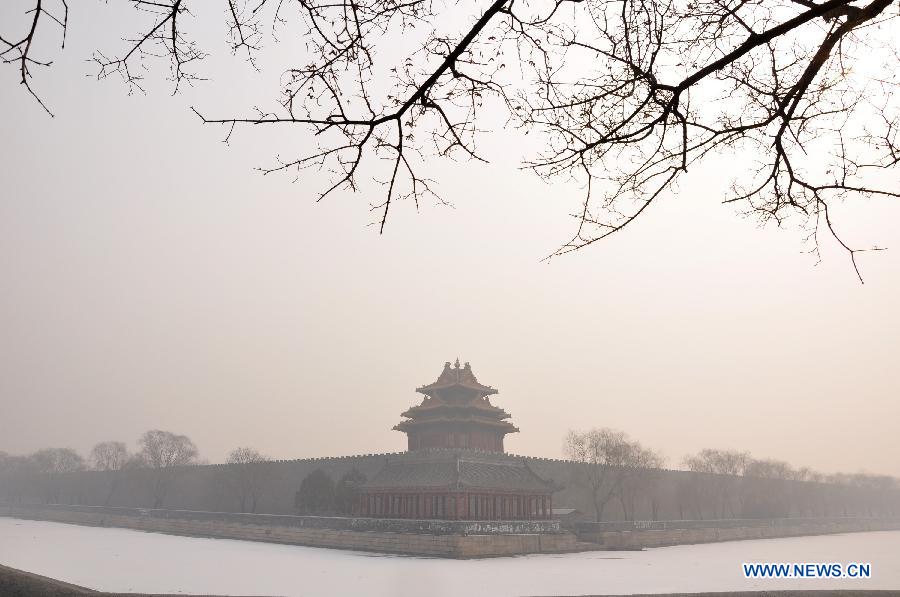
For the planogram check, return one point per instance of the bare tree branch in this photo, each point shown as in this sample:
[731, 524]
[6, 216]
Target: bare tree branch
[626, 95]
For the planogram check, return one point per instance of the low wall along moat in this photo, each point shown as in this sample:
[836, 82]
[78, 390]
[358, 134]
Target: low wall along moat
[442, 538]
[453, 539]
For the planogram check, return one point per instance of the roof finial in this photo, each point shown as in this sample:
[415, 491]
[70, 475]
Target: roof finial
[456, 364]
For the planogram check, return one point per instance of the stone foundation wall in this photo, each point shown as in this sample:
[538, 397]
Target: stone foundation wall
[499, 542]
[340, 523]
[668, 533]
[451, 539]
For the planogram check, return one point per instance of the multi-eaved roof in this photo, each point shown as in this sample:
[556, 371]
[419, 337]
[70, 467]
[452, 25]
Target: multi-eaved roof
[456, 378]
[458, 470]
[456, 398]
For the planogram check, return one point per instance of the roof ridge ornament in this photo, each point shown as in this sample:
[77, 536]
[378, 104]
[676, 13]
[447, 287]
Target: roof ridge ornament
[455, 374]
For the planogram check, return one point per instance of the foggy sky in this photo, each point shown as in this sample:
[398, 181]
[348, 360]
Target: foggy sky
[152, 279]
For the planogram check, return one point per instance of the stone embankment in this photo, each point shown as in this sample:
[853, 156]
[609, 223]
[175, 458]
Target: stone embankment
[444, 538]
[643, 534]
[450, 539]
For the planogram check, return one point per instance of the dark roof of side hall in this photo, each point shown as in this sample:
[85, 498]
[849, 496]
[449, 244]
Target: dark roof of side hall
[414, 474]
[505, 477]
[459, 471]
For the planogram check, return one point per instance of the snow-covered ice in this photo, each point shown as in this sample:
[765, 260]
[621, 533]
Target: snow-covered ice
[123, 560]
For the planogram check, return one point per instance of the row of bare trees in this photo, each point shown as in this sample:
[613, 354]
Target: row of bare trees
[618, 468]
[49, 463]
[612, 477]
[248, 475]
[163, 453]
[612, 469]
[737, 484]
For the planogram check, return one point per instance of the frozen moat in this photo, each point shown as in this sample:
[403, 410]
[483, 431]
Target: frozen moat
[123, 560]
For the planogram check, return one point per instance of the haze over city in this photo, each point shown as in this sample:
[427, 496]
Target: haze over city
[153, 279]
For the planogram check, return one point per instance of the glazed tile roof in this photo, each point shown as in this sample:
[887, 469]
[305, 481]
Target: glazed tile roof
[457, 420]
[456, 399]
[446, 469]
[456, 377]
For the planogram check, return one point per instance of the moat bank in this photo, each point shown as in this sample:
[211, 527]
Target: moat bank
[451, 539]
[18, 583]
[123, 560]
[643, 534]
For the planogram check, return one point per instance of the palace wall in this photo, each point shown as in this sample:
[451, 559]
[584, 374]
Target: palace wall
[657, 495]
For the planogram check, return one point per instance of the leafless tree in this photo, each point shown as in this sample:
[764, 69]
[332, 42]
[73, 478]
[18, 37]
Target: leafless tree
[642, 485]
[752, 487]
[724, 467]
[57, 460]
[877, 494]
[604, 459]
[18, 51]
[111, 458]
[164, 453]
[51, 464]
[14, 470]
[248, 473]
[691, 496]
[626, 96]
[768, 488]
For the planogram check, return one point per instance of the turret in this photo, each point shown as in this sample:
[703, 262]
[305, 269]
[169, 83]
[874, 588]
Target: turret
[456, 412]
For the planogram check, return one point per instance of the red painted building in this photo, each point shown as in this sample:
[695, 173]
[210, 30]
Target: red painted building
[455, 467]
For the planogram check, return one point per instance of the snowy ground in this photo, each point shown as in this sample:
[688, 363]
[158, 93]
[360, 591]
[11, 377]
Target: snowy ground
[123, 560]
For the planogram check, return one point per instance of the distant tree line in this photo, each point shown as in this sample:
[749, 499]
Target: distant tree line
[161, 455]
[608, 476]
[735, 484]
[612, 470]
